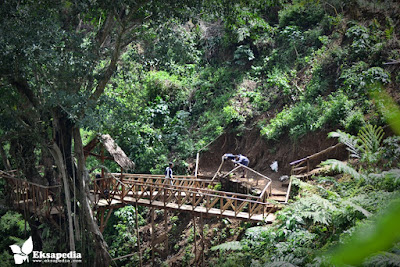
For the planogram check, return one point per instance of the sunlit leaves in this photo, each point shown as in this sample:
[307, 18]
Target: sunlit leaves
[370, 239]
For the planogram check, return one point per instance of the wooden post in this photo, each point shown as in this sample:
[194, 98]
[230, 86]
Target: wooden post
[166, 233]
[102, 161]
[123, 191]
[138, 236]
[202, 238]
[197, 165]
[102, 219]
[195, 241]
[152, 235]
[107, 218]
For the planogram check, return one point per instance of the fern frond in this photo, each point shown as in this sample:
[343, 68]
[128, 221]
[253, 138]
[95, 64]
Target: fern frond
[350, 141]
[371, 138]
[285, 261]
[358, 207]
[383, 259]
[233, 245]
[280, 264]
[313, 209]
[342, 167]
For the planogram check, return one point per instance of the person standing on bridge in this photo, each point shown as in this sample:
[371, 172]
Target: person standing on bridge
[169, 173]
[240, 159]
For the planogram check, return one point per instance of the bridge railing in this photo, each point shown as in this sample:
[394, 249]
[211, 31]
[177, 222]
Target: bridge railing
[305, 165]
[39, 199]
[174, 193]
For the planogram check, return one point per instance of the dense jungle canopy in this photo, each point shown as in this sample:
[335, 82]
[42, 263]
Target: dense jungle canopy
[167, 78]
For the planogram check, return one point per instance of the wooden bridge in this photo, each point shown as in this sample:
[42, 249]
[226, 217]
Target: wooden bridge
[184, 193]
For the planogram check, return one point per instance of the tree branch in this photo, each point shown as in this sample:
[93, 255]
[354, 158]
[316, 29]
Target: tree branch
[24, 90]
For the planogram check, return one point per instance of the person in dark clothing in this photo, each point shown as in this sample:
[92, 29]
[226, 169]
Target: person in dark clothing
[228, 156]
[169, 173]
[240, 159]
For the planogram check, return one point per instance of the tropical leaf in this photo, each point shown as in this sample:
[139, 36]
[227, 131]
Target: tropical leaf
[366, 241]
[280, 264]
[285, 261]
[342, 167]
[350, 141]
[358, 207]
[371, 138]
[383, 259]
[233, 245]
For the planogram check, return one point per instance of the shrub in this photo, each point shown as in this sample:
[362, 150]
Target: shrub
[279, 79]
[359, 78]
[353, 122]
[297, 121]
[232, 115]
[243, 54]
[334, 110]
[301, 15]
[360, 40]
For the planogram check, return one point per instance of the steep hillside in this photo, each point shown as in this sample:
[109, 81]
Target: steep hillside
[262, 153]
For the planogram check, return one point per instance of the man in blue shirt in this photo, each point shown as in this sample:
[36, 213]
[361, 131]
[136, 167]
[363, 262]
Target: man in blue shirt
[228, 156]
[242, 160]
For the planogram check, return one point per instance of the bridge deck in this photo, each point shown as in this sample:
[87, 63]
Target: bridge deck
[189, 208]
[184, 193]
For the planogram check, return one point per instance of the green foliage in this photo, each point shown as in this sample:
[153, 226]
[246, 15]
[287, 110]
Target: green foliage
[279, 79]
[233, 245]
[121, 235]
[384, 259]
[388, 108]
[370, 141]
[12, 231]
[307, 211]
[300, 14]
[232, 115]
[358, 78]
[391, 150]
[351, 142]
[353, 121]
[297, 121]
[370, 238]
[243, 54]
[337, 107]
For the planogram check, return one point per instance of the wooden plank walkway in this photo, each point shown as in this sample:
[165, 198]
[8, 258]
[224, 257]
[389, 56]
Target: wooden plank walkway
[188, 208]
[183, 193]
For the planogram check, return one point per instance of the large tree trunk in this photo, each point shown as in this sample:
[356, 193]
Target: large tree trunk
[56, 152]
[103, 258]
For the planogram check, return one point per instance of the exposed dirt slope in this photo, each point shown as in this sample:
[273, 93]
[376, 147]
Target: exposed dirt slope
[262, 153]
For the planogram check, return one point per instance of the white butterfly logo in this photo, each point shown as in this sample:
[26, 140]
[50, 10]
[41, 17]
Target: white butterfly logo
[21, 254]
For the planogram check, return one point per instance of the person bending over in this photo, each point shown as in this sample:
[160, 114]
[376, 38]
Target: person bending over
[244, 161]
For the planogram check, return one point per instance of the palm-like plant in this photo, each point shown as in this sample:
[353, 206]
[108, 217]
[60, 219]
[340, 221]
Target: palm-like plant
[370, 141]
[365, 146]
[350, 141]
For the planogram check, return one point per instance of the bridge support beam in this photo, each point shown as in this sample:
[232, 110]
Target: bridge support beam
[202, 238]
[198, 252]
[195, 239]
[152, 236]
[138, 236]
[160, 239]
[166, 251]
